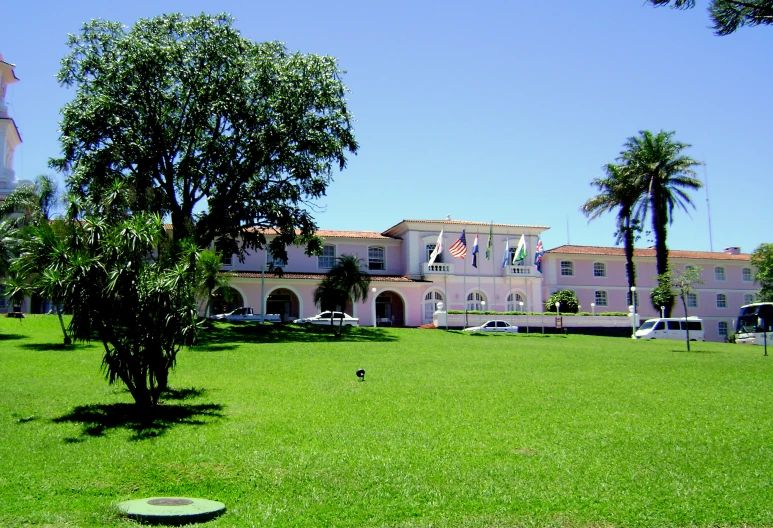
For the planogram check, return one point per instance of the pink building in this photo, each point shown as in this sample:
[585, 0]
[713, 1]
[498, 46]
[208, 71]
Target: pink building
[406, 288]
[598, 277]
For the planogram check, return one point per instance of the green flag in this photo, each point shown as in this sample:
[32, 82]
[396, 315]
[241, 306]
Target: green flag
[490, 237]
[520, 252]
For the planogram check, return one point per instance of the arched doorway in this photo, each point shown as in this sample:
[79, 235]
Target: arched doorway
[476, 301]
[390, 309]
[226, 300]
[283, 302]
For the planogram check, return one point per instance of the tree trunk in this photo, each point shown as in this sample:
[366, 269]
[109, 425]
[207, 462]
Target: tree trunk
[660, 230]
[686, 326]
[628, 247]
[67, 339]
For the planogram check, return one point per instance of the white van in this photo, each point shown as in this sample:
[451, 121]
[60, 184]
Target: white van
[671, 328]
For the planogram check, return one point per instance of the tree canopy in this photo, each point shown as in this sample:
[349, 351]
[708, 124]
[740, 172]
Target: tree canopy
[729, 15]
[762, 258]
[230, 138]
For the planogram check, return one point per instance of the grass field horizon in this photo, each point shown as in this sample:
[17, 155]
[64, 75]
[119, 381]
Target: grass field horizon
[447, 430]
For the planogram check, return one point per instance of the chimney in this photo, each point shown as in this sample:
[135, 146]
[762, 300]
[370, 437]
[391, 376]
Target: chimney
[733, 250]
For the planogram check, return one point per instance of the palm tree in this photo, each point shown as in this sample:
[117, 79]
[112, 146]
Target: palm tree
[663, 173]
[657, 162]
[209, 277]
[346, 281]
[618, 190]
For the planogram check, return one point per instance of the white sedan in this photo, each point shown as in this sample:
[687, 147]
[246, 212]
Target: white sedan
[493, 326]
[324, 318]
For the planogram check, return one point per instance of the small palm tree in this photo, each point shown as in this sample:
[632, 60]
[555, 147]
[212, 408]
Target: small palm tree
[209, 276]
[618, 190]
[346, 281]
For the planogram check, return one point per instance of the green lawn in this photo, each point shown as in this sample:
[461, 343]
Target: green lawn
[447, 429]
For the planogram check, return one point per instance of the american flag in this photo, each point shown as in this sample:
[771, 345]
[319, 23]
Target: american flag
[459, 248]
[538, 255]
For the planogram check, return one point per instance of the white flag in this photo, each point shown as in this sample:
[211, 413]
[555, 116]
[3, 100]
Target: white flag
[520, 251]
[438, 248]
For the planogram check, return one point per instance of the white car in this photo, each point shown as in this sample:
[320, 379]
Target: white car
[493, 326]
[339, 318]
[245, 314]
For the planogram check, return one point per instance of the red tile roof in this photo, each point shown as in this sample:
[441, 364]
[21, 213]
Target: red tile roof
[641, 252]
[314, 276]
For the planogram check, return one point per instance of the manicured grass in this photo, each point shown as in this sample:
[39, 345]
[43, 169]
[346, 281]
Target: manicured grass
[447, 429]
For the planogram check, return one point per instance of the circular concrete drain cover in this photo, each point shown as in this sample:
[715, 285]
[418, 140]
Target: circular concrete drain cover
[171, 510]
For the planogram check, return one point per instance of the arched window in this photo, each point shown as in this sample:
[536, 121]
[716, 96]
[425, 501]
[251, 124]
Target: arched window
[476, 301]
[430, 303]
[514, 301]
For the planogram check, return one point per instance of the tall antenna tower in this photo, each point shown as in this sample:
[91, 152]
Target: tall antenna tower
[708, 208]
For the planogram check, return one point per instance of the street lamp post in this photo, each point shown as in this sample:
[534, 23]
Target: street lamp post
[558, 308]
[663, 312]
[593, 307]
[633, 313]
[527, 317]
[482, 309]
[375, 322]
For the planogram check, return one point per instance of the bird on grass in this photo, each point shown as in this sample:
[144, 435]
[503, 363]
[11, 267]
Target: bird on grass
[361, 374]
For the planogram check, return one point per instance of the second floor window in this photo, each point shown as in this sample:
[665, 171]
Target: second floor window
[601, 298]
[376, 258]
[599, 269]
[719, 273]
[746, 274]
[721, 300]
[567, 268]
[225, 256]
[430, 249]
[328, 257]
[692, 300]
[273, 261]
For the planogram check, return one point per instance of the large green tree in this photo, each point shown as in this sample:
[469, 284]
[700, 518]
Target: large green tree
[682, 284]
[664, 174]
[729, 15]
[762, 259]
[619, 191]
[230, 138]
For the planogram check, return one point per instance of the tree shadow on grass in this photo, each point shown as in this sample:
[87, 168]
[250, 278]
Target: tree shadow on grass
[694, 351]
[228, 336]
[45, 347]
[9, 337]
[99, 419]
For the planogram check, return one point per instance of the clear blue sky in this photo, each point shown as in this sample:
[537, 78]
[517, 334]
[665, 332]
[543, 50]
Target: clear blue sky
[487, 111]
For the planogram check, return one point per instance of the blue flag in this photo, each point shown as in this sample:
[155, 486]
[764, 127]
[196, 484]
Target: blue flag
[506, 256]
[475, 252]
[538, 255]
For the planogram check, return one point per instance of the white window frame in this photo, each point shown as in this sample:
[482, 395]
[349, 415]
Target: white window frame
[228, 260]
[721, 300]
[514, 302]
[746, 274]
[375, 260]
[601, 298]
[692, 300]
[748, 298]
[431, 298]
[473, 301]
[723, 328]
[430, 248]
[323, 259]
[566, 265]
[719, 273]
[599, 270]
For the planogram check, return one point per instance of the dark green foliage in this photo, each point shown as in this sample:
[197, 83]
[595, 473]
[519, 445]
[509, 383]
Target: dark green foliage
[681, 284]
[662, 295]
[125, 286]
[186, 111]
[729, 15]
[346, 281]
[620, 189]
[762, 259]
[568, 300]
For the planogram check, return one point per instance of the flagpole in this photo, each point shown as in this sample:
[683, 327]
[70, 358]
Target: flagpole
[464, 281]
[478, 267]
[445, 281]
[510, 276]
[493, 272]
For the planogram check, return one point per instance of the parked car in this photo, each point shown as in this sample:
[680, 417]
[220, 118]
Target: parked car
[245, 313]
[494, 326]
[671, 328]
[325, 317]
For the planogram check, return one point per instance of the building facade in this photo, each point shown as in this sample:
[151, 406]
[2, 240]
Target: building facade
[9, 133]
[599, 279]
